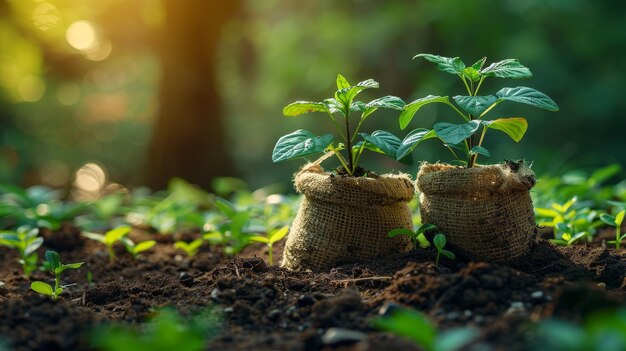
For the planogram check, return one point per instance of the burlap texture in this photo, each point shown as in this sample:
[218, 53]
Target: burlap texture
[346, 219]
[485, 211]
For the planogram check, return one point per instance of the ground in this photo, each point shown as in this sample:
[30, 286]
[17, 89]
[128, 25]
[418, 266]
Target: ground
[269, 308]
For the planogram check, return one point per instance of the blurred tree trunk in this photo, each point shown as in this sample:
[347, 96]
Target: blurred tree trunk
[188, 139]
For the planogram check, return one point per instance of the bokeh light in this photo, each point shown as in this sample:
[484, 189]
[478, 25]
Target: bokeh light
[82, 35]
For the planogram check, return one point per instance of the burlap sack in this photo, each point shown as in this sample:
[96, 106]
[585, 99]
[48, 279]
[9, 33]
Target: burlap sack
[485, 211]
[346, 219]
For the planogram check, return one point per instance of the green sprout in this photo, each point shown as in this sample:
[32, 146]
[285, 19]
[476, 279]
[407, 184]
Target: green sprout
[440, 242]
[341, 110]
[191, 249]
[417, 237]
[136, 248]
[570, 222]
[615, 221]
[26, 241]
[109, 238]
[274, 236]
[232, 232]
[416, 327]
[53, 263]
[166, 330]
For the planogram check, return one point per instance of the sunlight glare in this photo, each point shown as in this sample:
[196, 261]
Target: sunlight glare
[82, 35]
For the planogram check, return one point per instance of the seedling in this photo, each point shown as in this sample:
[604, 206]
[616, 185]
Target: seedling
[53, 263]
[232, 232]
[191, 249]
[570, 223]
[340, 109]
[417, 237]
[136, 248]
[460, 137]
[167, 330]
[274, 236]
[615, 221]
[440, 242]
[416, 327]
[109, 238]
[26, 241]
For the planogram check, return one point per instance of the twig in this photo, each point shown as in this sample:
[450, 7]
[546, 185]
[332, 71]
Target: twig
[359, 279]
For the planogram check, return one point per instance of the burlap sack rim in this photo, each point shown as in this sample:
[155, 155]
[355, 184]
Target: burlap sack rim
[387, 188]
[504, 180]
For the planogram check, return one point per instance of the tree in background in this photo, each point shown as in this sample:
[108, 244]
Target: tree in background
[188, 140]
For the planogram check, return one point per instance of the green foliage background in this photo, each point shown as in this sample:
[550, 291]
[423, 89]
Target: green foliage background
[279, 51]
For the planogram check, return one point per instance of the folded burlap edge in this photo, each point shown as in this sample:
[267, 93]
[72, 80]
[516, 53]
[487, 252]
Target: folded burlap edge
[314, 182]
[441, 178]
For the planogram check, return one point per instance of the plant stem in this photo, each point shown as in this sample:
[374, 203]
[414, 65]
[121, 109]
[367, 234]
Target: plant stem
[341, 159]
[271, 261]
[358, 155]
[57, 281]
[617, 236]
[349, 142]
[437, 259]
[111, 254]
[479, 84]
[336, 125]
[480, 143]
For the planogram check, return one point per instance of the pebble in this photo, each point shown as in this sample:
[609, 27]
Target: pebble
[335, 336]
[537, 294]
[388, 308]
[186, 279]
[467, 313]
[601, 285]
[273, 315]
[305, 300]
[3, 289]
[516, 307]
[215, 295]
[228, 310]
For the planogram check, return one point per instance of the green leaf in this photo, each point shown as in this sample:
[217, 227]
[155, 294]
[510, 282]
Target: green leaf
[455, 133]
[278, 234]
[448, 254]
[116, 234]
[509, 68]
[480, 151]
[411, 108]
[226, 207]
[409, 324]
[425, 227]
[391, 102]
[334, 106]
[41, 288]
[33, 246]
[64, 267]
[603, 174]
[475, 105]
[546, 212]
[478, 65]
[143, 246]
[608, 219]
[260, 239]
[301, 107]
[342, 82]
[514, 127]
[53, 259]
[413, 139]
[386, 142]
[619, 218]
[529, 96]
[452, 65]
[346, 95]
[440, 241]
[472, 74]
[423, 242]
[401, 231]
[357, 106]
[300, 143]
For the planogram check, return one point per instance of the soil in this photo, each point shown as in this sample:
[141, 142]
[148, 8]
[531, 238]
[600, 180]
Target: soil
[269, 308]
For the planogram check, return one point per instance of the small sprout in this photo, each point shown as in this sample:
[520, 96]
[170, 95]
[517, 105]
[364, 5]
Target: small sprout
[566, 236]
[89, 278]
[191, 249]
[615, 221]
[275, 235]
[26, 241]
[440, 243]
[53, 263]
[136, 248]
[417, 236]
[416, 327]
[109, 238]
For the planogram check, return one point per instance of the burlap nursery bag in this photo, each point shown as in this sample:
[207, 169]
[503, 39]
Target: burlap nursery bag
[346, 219]
[485, 211]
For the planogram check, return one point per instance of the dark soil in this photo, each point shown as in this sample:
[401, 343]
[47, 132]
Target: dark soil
[270, 308]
